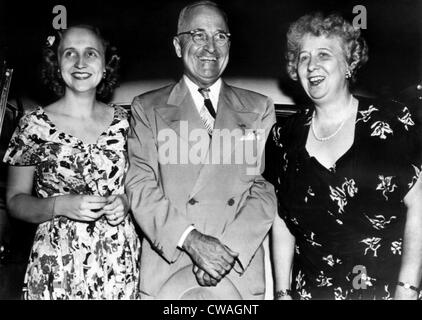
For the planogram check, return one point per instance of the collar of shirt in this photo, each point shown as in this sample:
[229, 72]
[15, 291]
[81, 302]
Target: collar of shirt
[198, 99]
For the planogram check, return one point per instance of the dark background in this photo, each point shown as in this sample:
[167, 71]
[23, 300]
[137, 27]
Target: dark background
[143, 30]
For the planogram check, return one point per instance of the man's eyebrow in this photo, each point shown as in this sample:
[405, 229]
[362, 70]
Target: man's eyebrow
[218, 30]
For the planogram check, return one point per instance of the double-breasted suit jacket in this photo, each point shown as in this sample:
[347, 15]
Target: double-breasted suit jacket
[171, 185]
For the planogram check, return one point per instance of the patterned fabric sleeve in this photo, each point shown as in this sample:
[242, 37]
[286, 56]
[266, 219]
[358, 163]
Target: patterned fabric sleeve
[22, 149]
[411, 144]
[276, 163]
[122, 113]
[272, 154]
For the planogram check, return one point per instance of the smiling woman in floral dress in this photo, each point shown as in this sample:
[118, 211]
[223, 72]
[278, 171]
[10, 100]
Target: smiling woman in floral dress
[346, 172]
[72, 153]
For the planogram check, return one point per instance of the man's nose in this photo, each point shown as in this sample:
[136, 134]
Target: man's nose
[210, 45]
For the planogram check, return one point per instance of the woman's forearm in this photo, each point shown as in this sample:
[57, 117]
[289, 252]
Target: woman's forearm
[411, 265]
[282, 250]
[31, 209]
[20, 202]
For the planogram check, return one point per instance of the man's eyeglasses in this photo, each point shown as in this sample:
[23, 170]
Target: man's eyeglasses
[200, 37]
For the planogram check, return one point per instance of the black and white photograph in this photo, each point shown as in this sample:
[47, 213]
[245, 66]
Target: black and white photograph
[211, 150]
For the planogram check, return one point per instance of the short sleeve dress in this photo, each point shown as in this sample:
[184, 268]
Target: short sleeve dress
[348, 220]
[71, 259]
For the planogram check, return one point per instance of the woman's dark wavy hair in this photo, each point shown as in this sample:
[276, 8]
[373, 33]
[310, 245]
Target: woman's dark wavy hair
[316, 24]
[50, 64]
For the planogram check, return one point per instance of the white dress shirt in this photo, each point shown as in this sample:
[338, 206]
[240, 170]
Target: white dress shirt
[197, 97]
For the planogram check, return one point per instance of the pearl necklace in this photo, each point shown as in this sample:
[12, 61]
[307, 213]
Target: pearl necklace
[322, 139]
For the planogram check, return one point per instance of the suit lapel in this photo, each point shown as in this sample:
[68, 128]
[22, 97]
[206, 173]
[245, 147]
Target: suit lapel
[180, 113]
[232, 115]
[231, 112]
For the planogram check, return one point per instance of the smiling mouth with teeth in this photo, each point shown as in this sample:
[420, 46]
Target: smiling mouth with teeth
[81, 75]
[314, 81]
[208, 59]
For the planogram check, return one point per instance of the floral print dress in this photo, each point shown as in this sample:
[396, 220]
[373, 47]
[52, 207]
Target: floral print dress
[71, 259]
[348, 220]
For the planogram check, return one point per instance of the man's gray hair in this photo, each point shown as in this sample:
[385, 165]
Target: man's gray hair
[187, 9]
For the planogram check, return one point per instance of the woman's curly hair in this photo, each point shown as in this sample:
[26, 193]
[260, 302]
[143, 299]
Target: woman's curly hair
[316, 24]
[51, 76]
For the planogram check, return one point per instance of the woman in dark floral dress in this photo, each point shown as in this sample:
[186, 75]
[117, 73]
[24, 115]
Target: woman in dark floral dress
[346, 172]
[73, 154]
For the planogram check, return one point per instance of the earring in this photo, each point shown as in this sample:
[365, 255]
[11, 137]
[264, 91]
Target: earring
[104, 74]
[348, 74]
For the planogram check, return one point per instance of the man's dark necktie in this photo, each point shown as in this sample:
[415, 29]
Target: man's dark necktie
[205, 92]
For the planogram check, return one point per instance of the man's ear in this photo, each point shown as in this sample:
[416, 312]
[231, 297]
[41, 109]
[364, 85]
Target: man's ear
[177, 46]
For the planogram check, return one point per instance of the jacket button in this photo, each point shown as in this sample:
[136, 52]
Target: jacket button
[192, 201]
[230, 202]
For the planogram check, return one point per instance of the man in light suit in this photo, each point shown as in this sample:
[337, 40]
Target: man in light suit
[193, 189]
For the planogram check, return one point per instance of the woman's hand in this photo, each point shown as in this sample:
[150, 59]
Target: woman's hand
[79, 207]
[282, 295]
[116, 209]
[405, 294]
